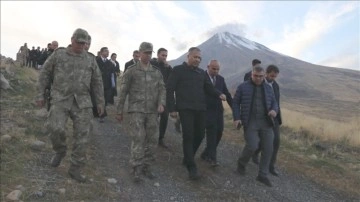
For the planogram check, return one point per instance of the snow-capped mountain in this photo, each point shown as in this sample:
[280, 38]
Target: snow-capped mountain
[299, 80]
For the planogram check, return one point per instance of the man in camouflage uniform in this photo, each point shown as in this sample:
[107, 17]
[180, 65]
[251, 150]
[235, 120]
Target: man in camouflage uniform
[72, 72]
[24, 54]
[144, 85]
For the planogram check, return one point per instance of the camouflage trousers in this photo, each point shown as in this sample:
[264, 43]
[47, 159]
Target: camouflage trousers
[143, 129]
[55, 125]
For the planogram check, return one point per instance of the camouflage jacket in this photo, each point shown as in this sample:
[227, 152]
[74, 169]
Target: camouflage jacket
[145, 88]
[71, 76]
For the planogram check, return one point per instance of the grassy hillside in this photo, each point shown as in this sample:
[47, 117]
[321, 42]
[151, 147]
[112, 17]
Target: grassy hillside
[324, 150]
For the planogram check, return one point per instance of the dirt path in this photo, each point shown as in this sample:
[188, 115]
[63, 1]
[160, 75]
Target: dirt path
[111, 155]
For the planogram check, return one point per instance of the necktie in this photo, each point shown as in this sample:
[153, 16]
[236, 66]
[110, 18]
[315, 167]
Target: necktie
[214, 80]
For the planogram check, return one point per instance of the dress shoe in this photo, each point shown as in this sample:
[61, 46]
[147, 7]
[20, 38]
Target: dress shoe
[162, 144]
[255, 159]
[74, 172]
[264, 180]
[148, 173]
[56, 159]
[241, 169]
[274, 172]
[193, 174]
[137, 175]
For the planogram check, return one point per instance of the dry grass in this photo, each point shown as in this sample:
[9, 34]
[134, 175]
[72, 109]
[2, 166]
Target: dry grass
[325, 129]
[336, 166]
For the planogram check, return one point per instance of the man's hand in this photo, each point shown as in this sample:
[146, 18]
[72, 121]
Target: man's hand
[173, 115]
[237, 123]
[223, 97]
[272, 113]
[119, 117]
[40, 103]
[160, 109]
[100, 110]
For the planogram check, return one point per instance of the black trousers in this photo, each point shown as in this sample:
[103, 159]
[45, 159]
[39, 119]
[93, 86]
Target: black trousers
[164, 117]
[276, 131]
[214, 131]
[193, 131]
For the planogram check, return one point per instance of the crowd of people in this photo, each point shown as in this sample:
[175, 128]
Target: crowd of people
[35, 58]
[82, 84]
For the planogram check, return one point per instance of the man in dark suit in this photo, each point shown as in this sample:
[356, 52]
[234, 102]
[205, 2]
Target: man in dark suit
[272, 72]
[254, 63]
[165, 69]
[136, 56]
[214, 113]
[107, 70]
[185, 93]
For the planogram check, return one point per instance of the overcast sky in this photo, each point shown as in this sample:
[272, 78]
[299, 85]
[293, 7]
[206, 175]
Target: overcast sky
[324, 33]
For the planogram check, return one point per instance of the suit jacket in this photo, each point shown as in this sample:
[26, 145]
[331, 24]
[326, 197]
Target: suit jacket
[106, 68]
[276, 88]
[128, 64]
[215, 103]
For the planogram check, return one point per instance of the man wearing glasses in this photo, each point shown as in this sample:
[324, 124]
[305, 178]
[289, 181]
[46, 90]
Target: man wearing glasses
[255, 107]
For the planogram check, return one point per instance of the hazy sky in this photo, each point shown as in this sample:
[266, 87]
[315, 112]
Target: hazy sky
[324, 33]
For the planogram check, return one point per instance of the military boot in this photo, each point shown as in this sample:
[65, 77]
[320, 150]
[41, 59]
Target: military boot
[74, 172]
[137, 174]
[56, 159]
[148, 173]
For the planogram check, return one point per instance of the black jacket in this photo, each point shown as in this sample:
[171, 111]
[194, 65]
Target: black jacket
[128, 64]
[247, 76]
[215, 103]
[189, 85]
[276, 88]
[106, 68]
[165, 70]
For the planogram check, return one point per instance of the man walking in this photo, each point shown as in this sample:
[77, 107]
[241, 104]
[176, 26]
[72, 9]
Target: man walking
[272, 72]
[144, 85]
[71, 71]
[107, 71]
[214, 113]
[165, 69]
[254, 106]
[188, 83]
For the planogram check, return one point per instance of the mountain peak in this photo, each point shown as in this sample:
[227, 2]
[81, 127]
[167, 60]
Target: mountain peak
[230, 39]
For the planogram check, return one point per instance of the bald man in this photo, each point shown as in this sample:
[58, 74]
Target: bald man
[214, 113]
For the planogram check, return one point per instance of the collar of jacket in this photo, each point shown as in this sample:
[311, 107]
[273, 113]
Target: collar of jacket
[70, 52]
[197, 69]
[139, 68]
[252, 82]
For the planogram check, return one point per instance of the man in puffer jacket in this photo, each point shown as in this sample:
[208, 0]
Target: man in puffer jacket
[255, 107]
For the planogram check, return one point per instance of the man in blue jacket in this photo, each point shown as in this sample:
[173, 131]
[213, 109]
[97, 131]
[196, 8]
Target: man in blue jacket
[272, 72]
[255, 107]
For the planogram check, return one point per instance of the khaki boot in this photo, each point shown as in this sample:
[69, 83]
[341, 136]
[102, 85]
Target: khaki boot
[74, 172]
[137, 174]
[56, 159]
[148, 173]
